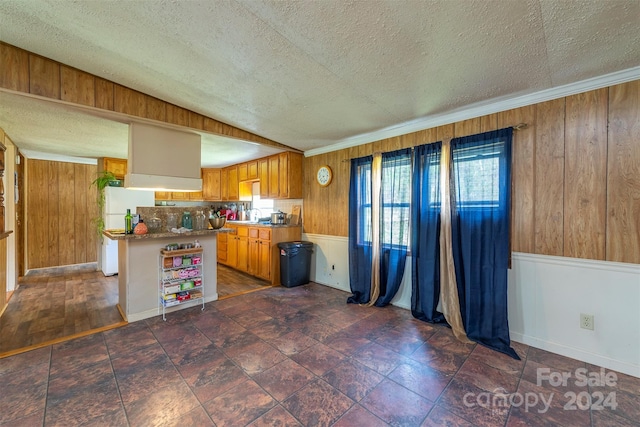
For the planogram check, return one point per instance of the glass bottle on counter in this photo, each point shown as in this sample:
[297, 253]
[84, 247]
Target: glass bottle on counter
[128, 222]
[186, 220]
[172, 221]
[200, 221]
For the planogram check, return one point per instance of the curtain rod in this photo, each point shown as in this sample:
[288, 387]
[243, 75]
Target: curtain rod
[519, 126]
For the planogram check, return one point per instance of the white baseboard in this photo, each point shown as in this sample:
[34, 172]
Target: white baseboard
[135, 317]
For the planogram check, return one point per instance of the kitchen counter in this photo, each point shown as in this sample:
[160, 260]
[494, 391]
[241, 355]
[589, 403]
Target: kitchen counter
[138, 269]
[121, 236]
[259, 224]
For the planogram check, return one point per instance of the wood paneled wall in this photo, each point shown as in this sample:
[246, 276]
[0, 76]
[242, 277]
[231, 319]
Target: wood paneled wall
[60, 207]
[576, 175]
[23, 71]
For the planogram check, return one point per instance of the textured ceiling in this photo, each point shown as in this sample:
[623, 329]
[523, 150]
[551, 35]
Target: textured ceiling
[314, 73]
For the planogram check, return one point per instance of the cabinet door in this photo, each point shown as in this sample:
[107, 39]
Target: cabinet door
[196, 195]
[243, 254]
[224, 185]
[254, 254]
[263, 172]
[232, 251]
[264, 259]
[163, 195]
[283, 175]
[179, 195]
[243, 172]
[294, 175]
[234, 192]
[211, 184]
[252, 166]
[222, 248]
[118, 167]
[274, 182]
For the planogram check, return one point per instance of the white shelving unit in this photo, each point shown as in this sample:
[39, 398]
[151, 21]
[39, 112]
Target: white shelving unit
[181, 278]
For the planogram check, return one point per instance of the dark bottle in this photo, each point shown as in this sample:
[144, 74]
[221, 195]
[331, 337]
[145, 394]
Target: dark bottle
[128, 222]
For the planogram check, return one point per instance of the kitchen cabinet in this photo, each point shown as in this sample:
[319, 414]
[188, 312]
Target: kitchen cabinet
[248, 171]
[263, 176]
[290, 175]
[181, 278]
[274, 181]
[243, 249]
[224, 184]
[232, 248]
[211, 184]
[232, 176]
[222, 247]
[254, 249]
[265, 255]
[281, 176]
[243, 172]
[118, 167]
[252, 167]
[179, 195]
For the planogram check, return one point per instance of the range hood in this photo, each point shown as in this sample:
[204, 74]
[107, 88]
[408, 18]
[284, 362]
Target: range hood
[163, 159]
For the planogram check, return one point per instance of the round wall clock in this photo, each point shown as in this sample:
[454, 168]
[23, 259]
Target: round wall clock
[324, 175]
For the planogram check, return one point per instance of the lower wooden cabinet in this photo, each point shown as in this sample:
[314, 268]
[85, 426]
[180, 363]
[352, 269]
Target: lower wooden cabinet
[254, 250]
[222, 247]
[243, 249]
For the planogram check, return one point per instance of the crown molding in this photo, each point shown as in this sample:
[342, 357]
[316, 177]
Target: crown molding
[483, 108]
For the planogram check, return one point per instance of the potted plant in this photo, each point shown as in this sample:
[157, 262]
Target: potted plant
[101, 182]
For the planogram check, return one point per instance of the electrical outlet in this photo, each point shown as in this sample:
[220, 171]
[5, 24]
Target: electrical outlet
[586, 321]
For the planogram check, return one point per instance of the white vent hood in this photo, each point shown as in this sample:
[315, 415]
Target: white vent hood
[163, 159]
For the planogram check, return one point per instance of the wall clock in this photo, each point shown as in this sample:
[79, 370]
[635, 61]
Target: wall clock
[324, 175]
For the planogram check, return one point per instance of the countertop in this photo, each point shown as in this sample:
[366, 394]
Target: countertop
[121, 236]
[258, 224]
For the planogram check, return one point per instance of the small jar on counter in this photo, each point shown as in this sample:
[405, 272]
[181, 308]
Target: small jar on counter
[172, 221]
[200, 221]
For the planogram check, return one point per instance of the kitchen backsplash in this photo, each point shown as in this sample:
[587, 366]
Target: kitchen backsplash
[192, 207]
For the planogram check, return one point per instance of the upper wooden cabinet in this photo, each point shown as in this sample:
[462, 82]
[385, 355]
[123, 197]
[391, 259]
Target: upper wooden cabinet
[118, 167]
[224, 184]
[263, 175]
[253, 169]
[211, 184]
[248, 171]
[290, 175]
[274, 182]
[232, 176]
[281, 176]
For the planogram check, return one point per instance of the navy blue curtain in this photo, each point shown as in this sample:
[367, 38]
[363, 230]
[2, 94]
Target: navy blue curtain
[395, 200]
[360, 230]
[425, 233]
[480, 206]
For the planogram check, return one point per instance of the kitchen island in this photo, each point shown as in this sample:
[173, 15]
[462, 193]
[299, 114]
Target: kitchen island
[138, 269]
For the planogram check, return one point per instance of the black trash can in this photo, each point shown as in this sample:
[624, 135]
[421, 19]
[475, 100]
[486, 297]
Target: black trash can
[295, 263]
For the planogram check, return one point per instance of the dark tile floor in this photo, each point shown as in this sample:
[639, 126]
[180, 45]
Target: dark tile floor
[300, 356]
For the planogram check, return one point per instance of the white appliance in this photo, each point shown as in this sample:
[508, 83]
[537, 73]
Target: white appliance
[117, 201]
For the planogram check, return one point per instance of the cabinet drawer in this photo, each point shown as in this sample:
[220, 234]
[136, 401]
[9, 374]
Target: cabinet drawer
[253, 232]
[264, 234]
[243, 231]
